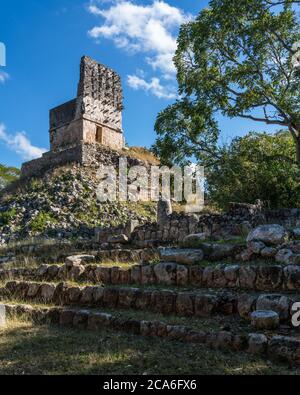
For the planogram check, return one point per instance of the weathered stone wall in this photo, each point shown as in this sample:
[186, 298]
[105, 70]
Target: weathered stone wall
[238, 221]
[66, 136]
[100, 93]
[65, 113]
[287, 217]
[174, 227]
[109, 137]
[83, 153]
[51, 160]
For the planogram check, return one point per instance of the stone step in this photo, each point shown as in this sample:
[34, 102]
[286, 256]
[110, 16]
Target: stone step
[194, 303]
[208, 251]
[266, 277]
[281, 347]
[57, 254]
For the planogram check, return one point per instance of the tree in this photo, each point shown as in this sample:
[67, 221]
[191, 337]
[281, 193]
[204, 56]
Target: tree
[236, 59]
[8, 175]
[257, 166]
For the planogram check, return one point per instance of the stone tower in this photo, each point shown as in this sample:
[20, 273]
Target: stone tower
[88, 128]
[95, 116]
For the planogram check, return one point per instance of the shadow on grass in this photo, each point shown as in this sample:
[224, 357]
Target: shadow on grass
[28, 349]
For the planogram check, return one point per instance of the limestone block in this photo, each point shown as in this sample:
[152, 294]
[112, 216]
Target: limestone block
[165, 273]
[268, 234]
[183, 256]
[46, 292]
[185, 304]
[79, 260]
[205, 305]
[278, 303]
[257, 343]
[264, 319]
[285, 348]
[246, 304]
[194, 239]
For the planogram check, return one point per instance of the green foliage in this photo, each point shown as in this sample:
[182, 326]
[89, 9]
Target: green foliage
[257, 166]
[186, 129]
[8, 175]
[35, 184]
[7, 216]
[235, 59]
[39, 223]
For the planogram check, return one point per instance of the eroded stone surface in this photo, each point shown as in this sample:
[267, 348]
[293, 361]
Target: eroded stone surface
[257, 343]
[184, 256]
[285, 348]
[264, 319]
[268, 234]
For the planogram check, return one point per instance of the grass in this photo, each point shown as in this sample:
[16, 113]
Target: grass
[26, 350]
[215, 323]
[111, 263]
[22, 262]
[143, 154]
[7, 216]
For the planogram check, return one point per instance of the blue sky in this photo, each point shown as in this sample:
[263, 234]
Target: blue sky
[45, 40]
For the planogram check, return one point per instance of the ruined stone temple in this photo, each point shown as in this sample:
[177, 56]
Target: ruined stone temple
[86, 124]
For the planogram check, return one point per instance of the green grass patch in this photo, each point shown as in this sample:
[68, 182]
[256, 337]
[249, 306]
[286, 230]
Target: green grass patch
[40, 222]
[7, 216]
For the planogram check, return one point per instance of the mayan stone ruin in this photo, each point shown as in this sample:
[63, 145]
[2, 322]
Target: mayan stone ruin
[93, 118]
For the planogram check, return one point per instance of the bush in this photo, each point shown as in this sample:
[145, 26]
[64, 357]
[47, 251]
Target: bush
[39, 223]
[8, 175]
[7, 216]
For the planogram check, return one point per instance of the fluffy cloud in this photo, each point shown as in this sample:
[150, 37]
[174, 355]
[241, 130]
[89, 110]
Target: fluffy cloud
[3, 77]
[20, 144]
[154, 86]
[149, 29]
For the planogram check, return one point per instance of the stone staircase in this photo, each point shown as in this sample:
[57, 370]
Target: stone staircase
[178, 297]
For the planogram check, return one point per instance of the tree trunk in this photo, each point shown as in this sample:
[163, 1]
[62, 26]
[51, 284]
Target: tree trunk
[298, 150]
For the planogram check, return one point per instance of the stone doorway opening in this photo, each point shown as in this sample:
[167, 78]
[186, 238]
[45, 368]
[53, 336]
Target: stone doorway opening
[99, 135]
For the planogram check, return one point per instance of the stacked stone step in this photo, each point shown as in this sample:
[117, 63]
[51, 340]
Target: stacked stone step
[255, 313]
[60, 251]
[83, 268]
[192, 303]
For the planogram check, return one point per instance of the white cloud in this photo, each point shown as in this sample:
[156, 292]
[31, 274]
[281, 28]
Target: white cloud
[20, 144]
[3, 77]
[154, 87]
[163, 62]
[149, 29]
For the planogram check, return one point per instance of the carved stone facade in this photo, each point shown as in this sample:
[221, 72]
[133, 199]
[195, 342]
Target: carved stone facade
[95, 115]
[94, 118]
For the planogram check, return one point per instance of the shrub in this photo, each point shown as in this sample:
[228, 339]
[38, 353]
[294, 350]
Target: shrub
[39, 223]
[7, 216]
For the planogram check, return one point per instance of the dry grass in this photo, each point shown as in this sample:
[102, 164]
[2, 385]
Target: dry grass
[144, 154]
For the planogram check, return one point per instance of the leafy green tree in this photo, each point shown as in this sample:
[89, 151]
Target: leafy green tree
[238, 59]
[257, 166]
[8, 175]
